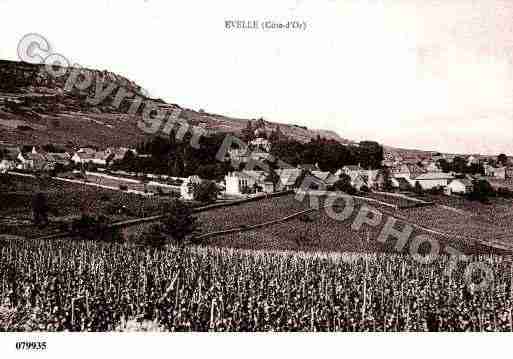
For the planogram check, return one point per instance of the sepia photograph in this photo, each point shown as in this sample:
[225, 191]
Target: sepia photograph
[267, 171]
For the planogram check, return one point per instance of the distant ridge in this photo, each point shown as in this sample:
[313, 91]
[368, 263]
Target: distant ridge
[35, 109]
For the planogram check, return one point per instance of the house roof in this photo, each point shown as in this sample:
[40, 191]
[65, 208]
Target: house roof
[309, 167]
[434, 176]
[94, 155]
[352, 168]
[86, 150]
[289, 176]
[321, 175]
[327, 177]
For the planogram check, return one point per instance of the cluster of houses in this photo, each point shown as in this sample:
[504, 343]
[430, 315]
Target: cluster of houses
[35, 159]
[243, 182]
[402, 172]
[405, 173]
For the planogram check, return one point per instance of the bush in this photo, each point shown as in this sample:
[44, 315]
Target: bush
[364, 189]
[418, 188]
[344, 185]
[178, 221]
[482, 190]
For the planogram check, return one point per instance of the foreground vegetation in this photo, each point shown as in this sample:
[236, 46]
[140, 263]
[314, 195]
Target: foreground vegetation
[77, 285]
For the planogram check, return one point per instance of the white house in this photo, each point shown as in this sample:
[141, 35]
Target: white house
[7, 165]
[238, 183]
[90, 156]
[432, 180]
[497, 172]
[186, 189]
[460, 186]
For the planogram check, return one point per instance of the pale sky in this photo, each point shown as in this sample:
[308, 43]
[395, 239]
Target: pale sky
[430, 74]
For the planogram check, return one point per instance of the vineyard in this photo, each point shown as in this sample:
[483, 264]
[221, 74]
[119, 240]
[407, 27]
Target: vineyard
[250, 213]
[67, 200]
[321, 232]
[91, 286]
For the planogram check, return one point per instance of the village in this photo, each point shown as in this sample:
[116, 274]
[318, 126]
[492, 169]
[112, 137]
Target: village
[426, 172]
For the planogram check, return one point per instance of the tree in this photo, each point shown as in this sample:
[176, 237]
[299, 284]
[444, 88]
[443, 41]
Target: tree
[443, 165]
[418, 188]
[502, 159]
[248, 133]
[387, 180]
[482, 190]
[344, 185]
[206, 191]
[40, 209]
[370, 154]
[459, 164]
[178, 221]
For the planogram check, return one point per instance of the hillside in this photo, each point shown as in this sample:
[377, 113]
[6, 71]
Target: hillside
[35, 108]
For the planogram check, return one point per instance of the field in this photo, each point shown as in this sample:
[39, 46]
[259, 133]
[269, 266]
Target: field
[458, 216]
[90, 286]
[321, 232]
[250, 213]
[66, 201]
